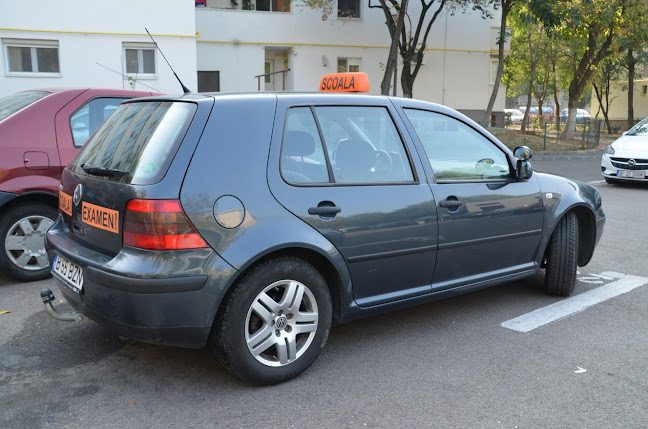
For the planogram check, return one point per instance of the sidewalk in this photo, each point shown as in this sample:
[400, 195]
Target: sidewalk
[574, 154]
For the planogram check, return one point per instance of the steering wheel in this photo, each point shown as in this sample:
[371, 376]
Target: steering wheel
[383, 162]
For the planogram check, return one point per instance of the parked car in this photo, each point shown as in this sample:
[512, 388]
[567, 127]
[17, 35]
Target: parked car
[40, 132]
[255, 240]
[627, 158]
[582, 116]
[547, 112]
[514, 115]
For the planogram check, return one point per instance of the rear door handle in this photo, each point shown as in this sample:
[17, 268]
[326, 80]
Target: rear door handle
[324, 210]
[451, 204]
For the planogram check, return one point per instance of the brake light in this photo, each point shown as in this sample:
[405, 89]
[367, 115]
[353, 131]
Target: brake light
[159, 225]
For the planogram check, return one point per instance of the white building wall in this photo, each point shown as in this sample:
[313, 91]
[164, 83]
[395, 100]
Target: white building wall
[91, 33]
[455, 72]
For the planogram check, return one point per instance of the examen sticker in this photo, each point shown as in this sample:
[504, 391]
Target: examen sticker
[345, 82]
[101, 217]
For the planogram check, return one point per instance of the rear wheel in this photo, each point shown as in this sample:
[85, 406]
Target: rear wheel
[22, 241]
[562, 257]
[274, 323]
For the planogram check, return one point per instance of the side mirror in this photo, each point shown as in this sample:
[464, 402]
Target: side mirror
[523, 171]
[523, 153]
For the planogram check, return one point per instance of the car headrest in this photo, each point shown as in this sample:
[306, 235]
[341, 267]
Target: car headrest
[355, 156]
[298, 143]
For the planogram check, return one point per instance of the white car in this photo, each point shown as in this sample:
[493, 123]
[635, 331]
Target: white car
[627, 157]
[514, 114]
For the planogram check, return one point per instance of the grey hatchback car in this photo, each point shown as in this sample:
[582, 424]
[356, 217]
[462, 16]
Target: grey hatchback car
[252, 223]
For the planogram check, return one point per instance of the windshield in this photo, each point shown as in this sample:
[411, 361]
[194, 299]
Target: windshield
[13, 103]
[137, 143]
[641, 129]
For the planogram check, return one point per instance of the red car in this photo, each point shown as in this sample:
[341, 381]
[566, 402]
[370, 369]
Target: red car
[40, 132]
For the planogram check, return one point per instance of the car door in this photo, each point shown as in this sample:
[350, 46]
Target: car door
[347, 172]
[490, 223]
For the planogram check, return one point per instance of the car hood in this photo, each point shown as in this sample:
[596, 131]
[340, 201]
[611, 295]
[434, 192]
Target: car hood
[631, 146]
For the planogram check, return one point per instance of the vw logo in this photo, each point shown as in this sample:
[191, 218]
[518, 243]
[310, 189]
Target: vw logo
[632, 163]
[281, 323]
[78, 194]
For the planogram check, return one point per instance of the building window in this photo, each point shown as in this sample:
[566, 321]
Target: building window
[493, 71]
[208, 81]
[139, 60]
[348, 8]
[349, 65]
[32, 56]
[273, 5]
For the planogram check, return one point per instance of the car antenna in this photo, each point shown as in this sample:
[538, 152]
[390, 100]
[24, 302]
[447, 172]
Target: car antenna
[184, 88]
[126, 77]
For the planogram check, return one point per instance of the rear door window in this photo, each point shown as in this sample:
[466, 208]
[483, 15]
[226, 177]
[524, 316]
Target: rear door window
[13, 103]
[85, 121]
[343, 144]
[138, 141]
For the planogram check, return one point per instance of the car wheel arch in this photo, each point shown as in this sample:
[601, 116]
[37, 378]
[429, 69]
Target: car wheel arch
[586, 232]
[322, 263]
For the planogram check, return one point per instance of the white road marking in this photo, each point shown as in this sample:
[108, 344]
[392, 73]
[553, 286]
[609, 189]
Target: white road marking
[575, 304]
[596, 182]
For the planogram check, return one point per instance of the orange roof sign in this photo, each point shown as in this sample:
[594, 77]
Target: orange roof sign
[345, 82]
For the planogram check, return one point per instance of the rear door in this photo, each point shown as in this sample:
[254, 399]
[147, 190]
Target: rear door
[490, 223]
[347, 171]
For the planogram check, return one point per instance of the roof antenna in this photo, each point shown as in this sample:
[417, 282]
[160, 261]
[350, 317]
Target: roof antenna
[184, 88]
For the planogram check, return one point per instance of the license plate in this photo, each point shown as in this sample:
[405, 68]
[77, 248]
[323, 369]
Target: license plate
[631, 174]
[71, 274]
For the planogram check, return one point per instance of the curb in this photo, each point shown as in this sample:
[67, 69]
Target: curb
[569, 155]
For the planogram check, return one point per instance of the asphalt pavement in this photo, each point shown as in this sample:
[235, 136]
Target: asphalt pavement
[454, 363]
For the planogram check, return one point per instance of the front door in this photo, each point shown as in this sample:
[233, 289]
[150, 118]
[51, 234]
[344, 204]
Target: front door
[346, 171]
[490, 224]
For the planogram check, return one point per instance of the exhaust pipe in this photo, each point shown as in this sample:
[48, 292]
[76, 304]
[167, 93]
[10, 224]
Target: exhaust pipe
[48, 298]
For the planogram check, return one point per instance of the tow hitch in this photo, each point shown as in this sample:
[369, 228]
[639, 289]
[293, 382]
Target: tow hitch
[48, 298]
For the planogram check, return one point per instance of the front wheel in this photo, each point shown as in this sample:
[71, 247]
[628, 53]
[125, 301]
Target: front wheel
[274, 323]
[22, 241]
[562, 257]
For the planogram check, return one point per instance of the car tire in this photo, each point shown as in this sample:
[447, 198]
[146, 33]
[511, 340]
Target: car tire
[22, 241]
[255, 332]
[562, 257]
[611, 181]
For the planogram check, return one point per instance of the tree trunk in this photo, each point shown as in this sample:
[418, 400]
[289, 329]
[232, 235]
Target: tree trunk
[631, 76]
[500, 62]
[392, 60]
[407, 81]
[525, 119]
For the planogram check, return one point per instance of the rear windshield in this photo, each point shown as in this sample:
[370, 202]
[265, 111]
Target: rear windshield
[13, 103]
[136, 143]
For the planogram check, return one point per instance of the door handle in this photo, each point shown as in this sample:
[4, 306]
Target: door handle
[324, 210]
[451, 204]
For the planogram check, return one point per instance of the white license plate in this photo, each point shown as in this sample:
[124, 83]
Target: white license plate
[631, 174]
[71, 274]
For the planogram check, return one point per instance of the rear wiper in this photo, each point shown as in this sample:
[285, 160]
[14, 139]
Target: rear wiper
[102, 171]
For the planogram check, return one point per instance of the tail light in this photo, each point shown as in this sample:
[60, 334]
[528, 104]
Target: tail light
[159, 225]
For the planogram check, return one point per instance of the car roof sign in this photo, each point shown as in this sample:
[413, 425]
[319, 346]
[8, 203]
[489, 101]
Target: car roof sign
[345, 82]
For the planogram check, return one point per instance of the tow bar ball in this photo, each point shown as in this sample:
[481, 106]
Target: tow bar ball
[48, 298]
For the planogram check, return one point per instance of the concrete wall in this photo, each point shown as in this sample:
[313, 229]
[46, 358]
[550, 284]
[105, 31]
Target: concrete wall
[91, 32]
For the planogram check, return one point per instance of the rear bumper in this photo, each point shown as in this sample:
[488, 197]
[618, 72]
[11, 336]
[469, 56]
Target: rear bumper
[166, 298]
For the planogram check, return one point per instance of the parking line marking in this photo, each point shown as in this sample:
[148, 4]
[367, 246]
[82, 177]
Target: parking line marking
[567, 307]
[596, 182]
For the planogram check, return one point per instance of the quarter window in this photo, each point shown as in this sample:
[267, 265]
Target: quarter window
[32, 56]
[139, 60]
[455, 150]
